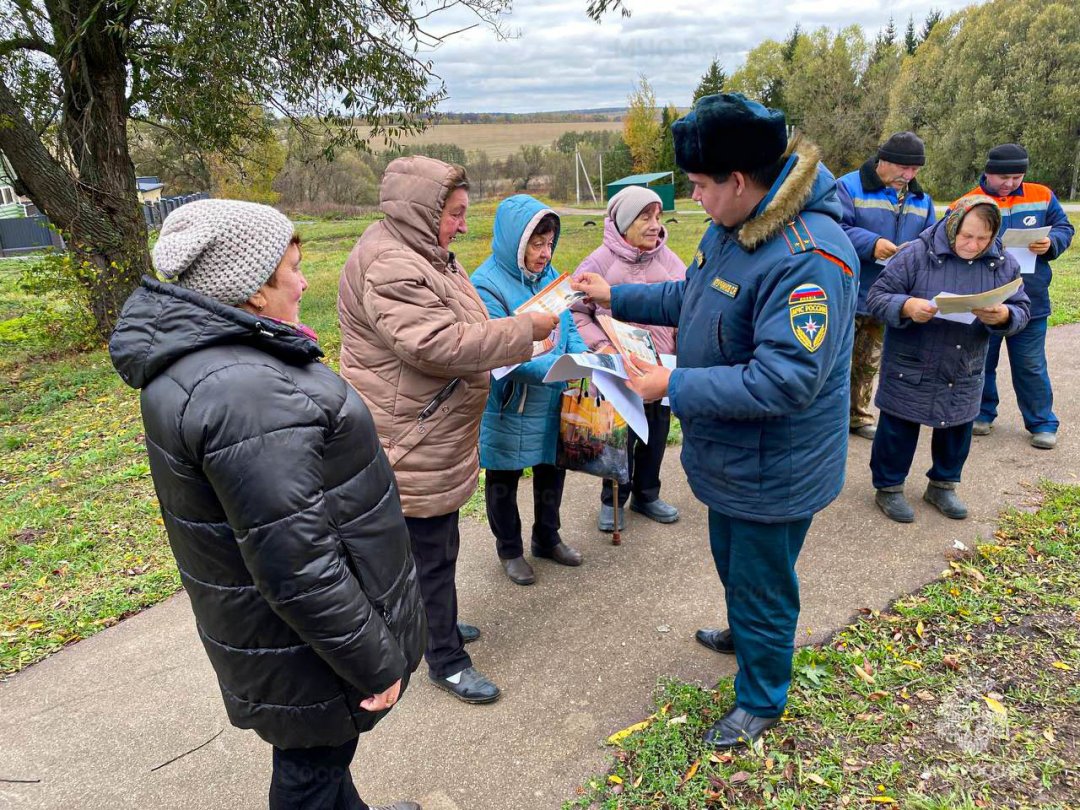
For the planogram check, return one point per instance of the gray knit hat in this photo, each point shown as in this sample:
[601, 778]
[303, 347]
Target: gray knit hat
[224, 249]
[623, 208]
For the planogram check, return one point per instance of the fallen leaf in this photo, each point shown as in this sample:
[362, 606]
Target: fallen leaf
[863, 674]
[924, 695]
[690, 773]
[619, 736]
[677, 721]
[817, 780]
[882, 800]
[739, 778]
[868, 717]
[1061, 665]
[721, 759]
[950, 661]
[789, 771]
[873, 697]
[1049, 735]
[919, 629]
[615, 780]
[995, 706]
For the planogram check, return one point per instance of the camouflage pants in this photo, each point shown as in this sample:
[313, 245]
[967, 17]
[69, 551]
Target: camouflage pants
[865, 359]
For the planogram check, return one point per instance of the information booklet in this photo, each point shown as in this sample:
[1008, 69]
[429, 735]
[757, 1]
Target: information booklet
[961, 305]
[1016, 241]
[554, 299]
[629, 340]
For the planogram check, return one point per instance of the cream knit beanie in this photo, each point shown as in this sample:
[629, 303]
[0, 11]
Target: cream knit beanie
[224, 249]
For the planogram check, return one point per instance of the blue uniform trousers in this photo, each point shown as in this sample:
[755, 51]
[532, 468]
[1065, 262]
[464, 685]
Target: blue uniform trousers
[894, 450]
[756, 563]
[1030, 378]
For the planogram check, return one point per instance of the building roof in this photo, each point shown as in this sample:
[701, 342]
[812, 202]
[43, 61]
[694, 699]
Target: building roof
[145, 184]
[639, 179]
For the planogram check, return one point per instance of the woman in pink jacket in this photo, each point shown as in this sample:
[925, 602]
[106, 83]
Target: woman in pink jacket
[634, 251]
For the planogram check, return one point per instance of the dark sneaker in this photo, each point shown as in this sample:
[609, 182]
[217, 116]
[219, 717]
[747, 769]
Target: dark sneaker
[658, 510]
[606, 521]
[944, 499]
[716, 640]
[472, 687]
[562, 554]
[894, 505]
[519, 571]
[738, 728]
[469, 633]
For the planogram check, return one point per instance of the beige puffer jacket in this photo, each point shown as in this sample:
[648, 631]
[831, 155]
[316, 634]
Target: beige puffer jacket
[411, 322]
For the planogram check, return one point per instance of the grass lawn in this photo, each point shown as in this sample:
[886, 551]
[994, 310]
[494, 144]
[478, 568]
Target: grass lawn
[961, 696]
[81, 541]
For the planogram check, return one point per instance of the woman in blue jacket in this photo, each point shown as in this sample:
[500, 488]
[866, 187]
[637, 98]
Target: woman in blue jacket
[932, 368]
[521, 422]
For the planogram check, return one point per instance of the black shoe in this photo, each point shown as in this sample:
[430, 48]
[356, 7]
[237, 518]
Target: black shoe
[472, 687]
[469, 633]
[716, 640]
[894, 505]
[738, 728]
[606, 521]
[658, 510]
[399, 806]
[942, 495]
[519, 571]
[561, 553]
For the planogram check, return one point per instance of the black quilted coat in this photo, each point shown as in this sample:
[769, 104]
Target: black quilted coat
[282, 513]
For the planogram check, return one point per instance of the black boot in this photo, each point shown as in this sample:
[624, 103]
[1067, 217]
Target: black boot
[892, 502]
[716, 640]
[942, 495]
[738, 728]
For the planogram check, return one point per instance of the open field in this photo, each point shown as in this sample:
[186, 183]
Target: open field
[81, 541]
[500, 140]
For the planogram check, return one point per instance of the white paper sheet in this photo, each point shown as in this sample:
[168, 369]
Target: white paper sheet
[951, 303]
[576, 366]
[668, 361]
[1016, 241]
[959, 317]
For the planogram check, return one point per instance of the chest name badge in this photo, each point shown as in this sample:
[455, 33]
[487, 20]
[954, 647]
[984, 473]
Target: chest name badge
[809, 312]
[728, 288]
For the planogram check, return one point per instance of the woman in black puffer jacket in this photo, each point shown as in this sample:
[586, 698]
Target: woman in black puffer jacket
[281, 508]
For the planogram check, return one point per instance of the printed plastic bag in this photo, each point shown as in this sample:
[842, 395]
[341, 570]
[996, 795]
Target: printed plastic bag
[592, 435]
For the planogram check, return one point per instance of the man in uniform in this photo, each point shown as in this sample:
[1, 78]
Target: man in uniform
[884, 207]
[1025, 205]
[765, 331]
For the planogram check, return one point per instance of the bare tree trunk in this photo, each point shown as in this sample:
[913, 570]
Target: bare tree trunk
[94, 203]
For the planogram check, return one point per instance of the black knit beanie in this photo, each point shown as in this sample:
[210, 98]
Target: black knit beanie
[904, 149]
[1009, 158]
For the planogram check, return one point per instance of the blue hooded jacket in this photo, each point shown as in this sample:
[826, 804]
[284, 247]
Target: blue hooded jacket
[520, 424]
[766, 322]
[872, 211]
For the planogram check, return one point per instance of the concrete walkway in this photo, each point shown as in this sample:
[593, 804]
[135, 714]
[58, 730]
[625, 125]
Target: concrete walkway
[578, 654]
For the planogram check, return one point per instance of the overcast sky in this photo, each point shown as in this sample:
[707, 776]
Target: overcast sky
[562, 60]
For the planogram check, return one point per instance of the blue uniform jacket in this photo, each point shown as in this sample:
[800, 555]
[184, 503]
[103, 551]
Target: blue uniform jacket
[872, 211]
[520, 423]
[932, 373]
[1033, 205]
[765, 321]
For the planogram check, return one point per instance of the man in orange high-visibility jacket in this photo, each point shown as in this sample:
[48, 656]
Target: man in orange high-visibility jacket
[1025, 205]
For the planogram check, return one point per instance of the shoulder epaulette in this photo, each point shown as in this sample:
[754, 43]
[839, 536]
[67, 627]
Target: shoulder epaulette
[798, 236]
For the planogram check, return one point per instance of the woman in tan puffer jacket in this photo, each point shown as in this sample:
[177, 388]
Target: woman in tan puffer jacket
[418, 346]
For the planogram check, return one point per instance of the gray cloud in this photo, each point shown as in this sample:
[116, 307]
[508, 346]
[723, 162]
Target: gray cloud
[562, 60]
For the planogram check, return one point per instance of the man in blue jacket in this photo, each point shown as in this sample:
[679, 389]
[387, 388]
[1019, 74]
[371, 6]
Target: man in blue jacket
[1025, 205]
[765, 331]
[884, 207]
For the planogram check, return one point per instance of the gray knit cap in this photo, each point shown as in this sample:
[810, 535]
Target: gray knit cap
[224, 249]
[624, 207]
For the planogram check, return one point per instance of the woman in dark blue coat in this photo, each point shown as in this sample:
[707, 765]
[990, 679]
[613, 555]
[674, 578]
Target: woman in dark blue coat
[931, 367]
